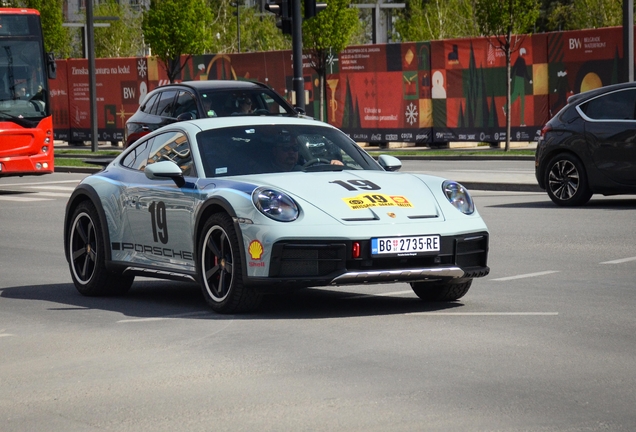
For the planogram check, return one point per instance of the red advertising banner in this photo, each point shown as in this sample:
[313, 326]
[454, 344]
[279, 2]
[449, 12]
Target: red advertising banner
[121, 85]
[59, 102]
[583, 60]
[382, 92]
[424, 92]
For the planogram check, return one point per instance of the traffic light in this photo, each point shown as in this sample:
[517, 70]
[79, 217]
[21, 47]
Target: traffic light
[283, 11]
[312, 8]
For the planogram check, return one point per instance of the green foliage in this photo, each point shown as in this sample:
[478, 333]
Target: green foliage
[123, 38]
[504, 17]
[258, 32]
[175, 27]
[423, 20]
[329, 30]
[580, 14]
[56, 37]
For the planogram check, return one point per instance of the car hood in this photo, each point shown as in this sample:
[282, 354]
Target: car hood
[356, 196]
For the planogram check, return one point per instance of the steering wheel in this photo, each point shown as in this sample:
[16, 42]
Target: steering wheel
[316, 161]
[261, 111]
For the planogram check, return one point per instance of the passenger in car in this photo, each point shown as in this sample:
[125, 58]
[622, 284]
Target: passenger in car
[244, 105]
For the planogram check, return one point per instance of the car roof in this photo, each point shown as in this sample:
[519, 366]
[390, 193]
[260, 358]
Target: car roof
[216, 85]
[577, 98]
[231, 121]
[197, 125]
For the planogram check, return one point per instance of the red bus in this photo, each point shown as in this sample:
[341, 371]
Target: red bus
[26, 124]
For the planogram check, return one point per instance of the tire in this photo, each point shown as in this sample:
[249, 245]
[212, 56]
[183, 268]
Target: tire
[566, 181]
[87, 255]
[220, 268]
[442, 291]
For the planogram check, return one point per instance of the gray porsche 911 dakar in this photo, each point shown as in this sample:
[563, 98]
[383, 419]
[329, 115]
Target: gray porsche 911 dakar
[247, 205]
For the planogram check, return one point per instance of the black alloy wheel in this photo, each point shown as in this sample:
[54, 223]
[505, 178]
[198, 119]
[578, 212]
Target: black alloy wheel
[87, 256]
[221, 269]
[566, 181]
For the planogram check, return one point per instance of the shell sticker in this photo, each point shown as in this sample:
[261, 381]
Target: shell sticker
[255, 250]
[376, 200]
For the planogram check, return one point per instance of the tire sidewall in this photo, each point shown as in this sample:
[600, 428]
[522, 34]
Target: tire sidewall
[582, 194]
[227, 302]
[90, 285]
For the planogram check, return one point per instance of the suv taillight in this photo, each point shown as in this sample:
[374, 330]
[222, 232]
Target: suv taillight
[547, 128]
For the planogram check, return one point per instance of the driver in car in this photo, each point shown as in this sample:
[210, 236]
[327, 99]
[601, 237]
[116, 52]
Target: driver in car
[285, 157]
[244, 104]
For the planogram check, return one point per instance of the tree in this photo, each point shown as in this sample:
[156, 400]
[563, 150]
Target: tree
[56, 37]
[175, 27]
[258, 31]
[506, 21]
[423, 20]
[123, 37]
[328, 32]
[580, 14]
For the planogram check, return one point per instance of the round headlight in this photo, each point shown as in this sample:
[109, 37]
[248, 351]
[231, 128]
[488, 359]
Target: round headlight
[275, 204]
[458, 196]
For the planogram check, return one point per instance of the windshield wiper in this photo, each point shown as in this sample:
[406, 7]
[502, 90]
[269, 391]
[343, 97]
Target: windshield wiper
[18, 120]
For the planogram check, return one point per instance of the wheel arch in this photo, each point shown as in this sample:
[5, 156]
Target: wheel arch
[86, 193]
[212, 206]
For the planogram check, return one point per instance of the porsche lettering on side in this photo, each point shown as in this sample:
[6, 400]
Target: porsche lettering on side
[247, 205]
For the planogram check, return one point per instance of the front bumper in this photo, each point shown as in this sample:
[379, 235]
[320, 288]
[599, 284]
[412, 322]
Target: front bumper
[321, 263]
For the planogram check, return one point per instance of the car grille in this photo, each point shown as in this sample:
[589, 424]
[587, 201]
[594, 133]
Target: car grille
[307, 260]
[324, 260]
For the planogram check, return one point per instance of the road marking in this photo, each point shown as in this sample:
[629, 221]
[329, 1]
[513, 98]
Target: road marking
[58, 188]
[389, 294]
[41, 183]
[167, 317]
[485, 313]
[5, 334]
[620, 261]
[53, 194]
[22, 199]
[523, 276]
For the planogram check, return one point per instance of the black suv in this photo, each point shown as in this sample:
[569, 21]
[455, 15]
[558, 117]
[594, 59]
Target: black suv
[199, 99]
[588, 147]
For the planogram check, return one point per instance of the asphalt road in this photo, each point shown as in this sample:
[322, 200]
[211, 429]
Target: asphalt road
[544, 343]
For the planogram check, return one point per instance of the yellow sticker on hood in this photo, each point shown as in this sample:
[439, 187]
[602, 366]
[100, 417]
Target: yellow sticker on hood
[376, 200]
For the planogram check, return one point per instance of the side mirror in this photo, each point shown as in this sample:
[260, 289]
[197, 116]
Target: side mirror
[165, 170]
[389, 163]
[51, 66]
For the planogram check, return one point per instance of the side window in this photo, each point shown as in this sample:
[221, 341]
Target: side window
[173, 146]
[138, 156]
[185, 103]
[271, 105]
[619, 105]
[149, 103]
[164, 106]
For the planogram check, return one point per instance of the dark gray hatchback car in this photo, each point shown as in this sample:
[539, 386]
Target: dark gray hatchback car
[589, 147]
[200, 99]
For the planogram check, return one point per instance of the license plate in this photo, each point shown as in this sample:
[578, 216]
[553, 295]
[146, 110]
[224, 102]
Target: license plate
[404, 246]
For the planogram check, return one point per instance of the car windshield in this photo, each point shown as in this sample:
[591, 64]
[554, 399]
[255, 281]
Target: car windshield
[244, 102]
[279, 148]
